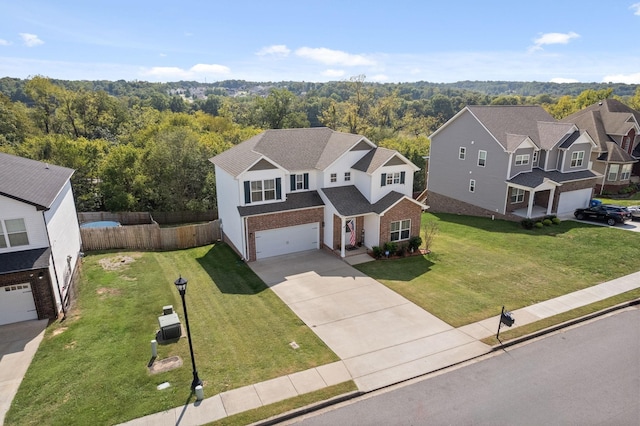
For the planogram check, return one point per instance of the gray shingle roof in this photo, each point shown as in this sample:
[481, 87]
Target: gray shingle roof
[506, 120]
[616, 154]
[293, 149]
[349, 201]
[537, 176]
[24, 260]
[294, 201]
[605, 118]
[374, 159]
[31, 181]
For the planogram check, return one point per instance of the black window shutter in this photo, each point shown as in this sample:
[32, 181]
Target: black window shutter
[306, 181]
[402, 177]
[383, 179]
[293, 182]
[278, 188]
[247, 192]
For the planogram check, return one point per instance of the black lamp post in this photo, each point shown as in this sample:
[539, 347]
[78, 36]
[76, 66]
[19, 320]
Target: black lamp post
[181, 284]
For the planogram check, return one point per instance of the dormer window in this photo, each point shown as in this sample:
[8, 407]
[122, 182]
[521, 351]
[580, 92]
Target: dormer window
[392, 178]
[522, 160]
[577, 158]
[300, 182]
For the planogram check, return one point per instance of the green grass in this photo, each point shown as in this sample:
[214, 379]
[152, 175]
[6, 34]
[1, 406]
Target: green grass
[92, 368]
[478, 265]
[633, 200]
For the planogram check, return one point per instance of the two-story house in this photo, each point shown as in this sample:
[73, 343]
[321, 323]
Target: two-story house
[291, 190]
[510, 162]
[39, 239]
[615, 128]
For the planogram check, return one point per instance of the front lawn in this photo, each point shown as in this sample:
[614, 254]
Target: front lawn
[92, 367]
[477, 265]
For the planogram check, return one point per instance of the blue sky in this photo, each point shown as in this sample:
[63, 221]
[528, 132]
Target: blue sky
[322, 40]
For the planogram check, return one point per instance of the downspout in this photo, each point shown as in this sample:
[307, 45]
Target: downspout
[55, 270]
[604, 176]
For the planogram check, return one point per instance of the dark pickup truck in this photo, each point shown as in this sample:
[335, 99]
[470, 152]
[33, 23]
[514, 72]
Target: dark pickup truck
[604, 212]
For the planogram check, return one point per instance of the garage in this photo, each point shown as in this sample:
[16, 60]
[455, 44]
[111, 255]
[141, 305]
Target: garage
[291, 239]
[16, 304]
[571, 200]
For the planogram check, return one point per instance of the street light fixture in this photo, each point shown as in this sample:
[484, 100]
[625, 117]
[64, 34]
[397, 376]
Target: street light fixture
[181, 284]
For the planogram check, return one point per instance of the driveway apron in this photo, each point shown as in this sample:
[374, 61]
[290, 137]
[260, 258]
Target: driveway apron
[381, 337]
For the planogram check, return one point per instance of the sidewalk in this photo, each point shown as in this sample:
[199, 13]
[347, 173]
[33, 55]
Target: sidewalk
[264, 393]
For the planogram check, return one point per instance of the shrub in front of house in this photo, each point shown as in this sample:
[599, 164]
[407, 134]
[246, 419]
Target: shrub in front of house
[547, 222]
[538, 225]
[414, 243]
[527, 223]
[556, 221]
[377, 252]
[390, 247]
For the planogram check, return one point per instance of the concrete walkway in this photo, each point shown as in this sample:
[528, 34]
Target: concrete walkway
[381, 338]
[18, 344]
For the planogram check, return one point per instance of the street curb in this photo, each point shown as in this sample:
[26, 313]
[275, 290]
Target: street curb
[308, 409]
[565, 324]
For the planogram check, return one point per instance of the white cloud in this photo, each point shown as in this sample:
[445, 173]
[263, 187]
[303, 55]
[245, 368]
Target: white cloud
[274, 50]
[379, 78]
[633, 78]
[552, 38]
[636, 8]
[333, 73]
[4, 42]
[167, 73]
[563, 80]
[333, 57]
[30, 40]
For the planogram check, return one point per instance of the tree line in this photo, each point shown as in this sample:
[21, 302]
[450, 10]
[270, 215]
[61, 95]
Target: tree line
[139, 146]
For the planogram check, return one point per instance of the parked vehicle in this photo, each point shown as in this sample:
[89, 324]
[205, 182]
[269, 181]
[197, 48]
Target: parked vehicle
[604, 212]
[635, 212]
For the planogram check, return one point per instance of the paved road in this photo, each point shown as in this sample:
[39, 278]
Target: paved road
[587, 375]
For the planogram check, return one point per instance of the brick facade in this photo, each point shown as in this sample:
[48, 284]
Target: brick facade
[281, 220]
[405, 209]
[442, 204]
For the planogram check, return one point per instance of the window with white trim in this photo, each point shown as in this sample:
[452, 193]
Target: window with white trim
[517, 195]
[462, 152]
[522, 159]
[393, 178]
[299, 182]
[400, 230]
[535, 157]
[263, 190]
[613, 172]
[347, 176]
[14, 233]
[482, 158]
[577, 158]
[334, 177]
[626, 172]
[472, 185]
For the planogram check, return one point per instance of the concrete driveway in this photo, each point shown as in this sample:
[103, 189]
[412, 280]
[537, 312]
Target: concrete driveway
[18, 344]
[381, 337]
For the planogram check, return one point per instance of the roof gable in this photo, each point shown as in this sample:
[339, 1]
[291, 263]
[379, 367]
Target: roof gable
[30, 181]
[381, 157]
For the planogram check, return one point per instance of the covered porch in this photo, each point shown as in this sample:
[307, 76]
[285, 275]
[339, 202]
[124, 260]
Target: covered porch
[531, 199]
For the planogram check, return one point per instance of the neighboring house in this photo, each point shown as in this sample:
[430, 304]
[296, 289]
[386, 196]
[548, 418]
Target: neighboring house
[285, 191]
[615, 128]
[39, 239]
[510, 162]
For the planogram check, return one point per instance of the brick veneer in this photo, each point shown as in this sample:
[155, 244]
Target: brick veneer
[281, 220]
[405, 209]
[41, 288]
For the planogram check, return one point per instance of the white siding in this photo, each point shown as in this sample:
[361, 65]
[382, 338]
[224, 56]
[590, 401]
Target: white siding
[378, 191]
[229, 195]
[339, 167]
[36, 230]
[64, 234]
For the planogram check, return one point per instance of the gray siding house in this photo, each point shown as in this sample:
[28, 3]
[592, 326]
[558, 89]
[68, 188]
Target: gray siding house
[510, 162]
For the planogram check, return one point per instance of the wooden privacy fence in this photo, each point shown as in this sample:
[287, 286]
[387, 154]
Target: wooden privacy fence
[150, 237]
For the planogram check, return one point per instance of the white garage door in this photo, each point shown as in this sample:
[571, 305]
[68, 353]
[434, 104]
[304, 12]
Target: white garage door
[571, 200]
[291, 239]
[16, 304]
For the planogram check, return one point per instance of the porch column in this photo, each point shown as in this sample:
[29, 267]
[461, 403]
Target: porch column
[530, 206]
[342, 225]
[551, 199]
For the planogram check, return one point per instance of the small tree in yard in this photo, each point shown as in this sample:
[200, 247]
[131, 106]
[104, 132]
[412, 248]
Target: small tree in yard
[429, 231]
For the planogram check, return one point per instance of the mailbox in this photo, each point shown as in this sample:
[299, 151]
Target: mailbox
[507, 319]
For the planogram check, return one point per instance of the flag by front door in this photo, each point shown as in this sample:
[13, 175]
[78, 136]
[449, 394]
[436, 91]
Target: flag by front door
[351, 225]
